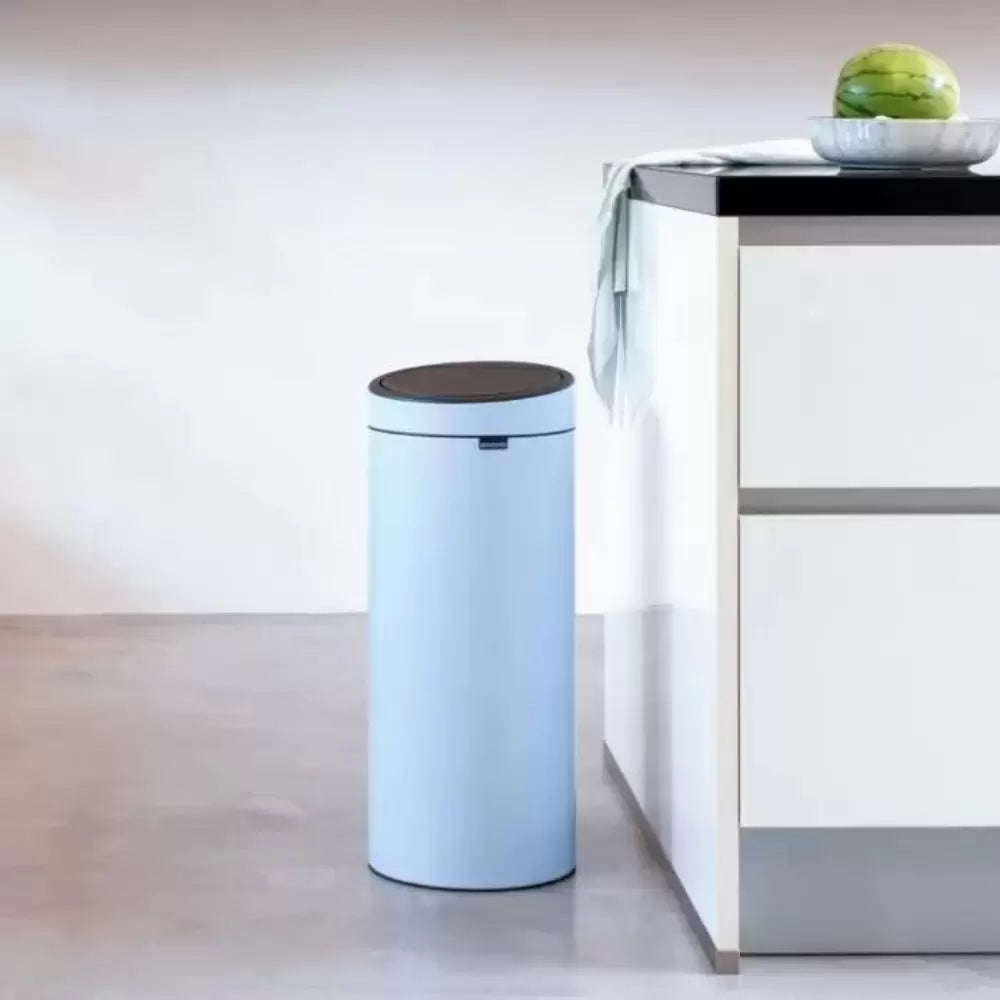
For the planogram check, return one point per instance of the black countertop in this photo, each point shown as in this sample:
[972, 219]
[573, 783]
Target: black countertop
[820, 190]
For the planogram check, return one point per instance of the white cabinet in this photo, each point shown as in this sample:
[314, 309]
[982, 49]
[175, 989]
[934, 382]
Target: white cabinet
[870, 366]
[803, 657]
[870, 671]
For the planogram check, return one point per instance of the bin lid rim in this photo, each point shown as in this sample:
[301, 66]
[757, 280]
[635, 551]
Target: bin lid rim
[471, 382]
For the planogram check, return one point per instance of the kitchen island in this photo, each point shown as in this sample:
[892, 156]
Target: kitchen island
[802, 657]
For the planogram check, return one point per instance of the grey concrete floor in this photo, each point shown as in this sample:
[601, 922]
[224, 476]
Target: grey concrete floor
[182, 816]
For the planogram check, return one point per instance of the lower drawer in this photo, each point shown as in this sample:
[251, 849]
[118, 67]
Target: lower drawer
[870, 671]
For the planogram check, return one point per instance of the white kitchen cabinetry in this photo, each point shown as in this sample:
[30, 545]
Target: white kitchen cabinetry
[802, 658]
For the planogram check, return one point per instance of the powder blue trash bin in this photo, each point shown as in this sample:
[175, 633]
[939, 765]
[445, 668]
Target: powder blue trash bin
[471, 779]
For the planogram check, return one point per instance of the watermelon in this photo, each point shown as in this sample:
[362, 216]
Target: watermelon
[897, 81]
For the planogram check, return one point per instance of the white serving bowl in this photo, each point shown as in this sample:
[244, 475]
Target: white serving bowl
[908, 143]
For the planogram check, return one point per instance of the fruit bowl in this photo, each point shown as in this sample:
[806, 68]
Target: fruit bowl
[907, 143]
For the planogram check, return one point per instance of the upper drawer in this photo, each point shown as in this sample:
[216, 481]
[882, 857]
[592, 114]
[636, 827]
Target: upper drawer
[869, 366]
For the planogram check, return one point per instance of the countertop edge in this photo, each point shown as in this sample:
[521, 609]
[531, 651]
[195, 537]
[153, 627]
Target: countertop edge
[851, 193]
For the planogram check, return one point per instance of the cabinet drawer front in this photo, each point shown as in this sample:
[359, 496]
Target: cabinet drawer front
[870, 671]
[870, 366]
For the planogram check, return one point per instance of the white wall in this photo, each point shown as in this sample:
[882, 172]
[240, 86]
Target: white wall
[218, 220]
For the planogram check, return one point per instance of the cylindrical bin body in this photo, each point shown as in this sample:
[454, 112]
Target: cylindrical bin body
[471, 709]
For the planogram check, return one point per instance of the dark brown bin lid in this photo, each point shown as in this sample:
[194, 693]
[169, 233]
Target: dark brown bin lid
[472, 382]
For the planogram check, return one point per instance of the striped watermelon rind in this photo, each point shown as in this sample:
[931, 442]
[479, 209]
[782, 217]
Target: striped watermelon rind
[897, 81]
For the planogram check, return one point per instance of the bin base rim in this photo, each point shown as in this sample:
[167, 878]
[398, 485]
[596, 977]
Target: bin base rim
[452, 888]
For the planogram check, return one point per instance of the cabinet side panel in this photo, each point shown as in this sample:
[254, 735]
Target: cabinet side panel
[670, 643]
